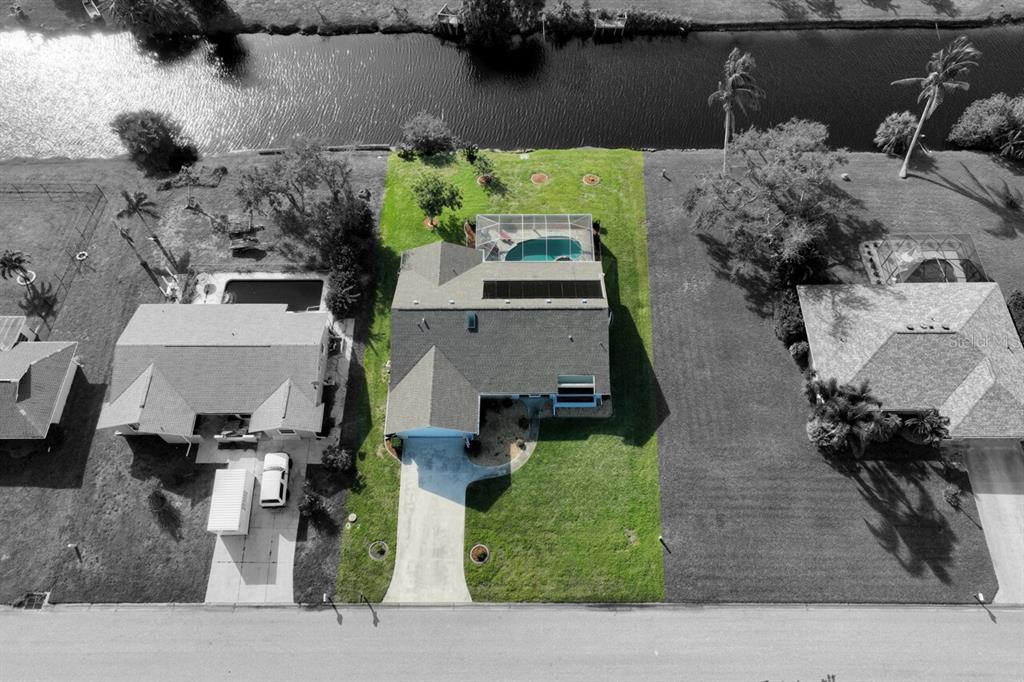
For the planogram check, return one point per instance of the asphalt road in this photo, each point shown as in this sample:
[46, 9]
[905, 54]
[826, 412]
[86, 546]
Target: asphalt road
[514, 643]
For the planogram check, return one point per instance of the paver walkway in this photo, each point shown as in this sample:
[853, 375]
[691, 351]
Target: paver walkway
[997, 478]
[429, 564]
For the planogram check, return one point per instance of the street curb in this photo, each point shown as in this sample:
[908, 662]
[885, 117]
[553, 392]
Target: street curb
[174, 606]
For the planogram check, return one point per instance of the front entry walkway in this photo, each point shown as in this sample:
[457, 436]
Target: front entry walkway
[997, 479]
[432, 521]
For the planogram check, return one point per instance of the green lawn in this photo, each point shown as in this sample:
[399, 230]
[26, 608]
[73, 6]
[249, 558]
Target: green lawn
[580, 521]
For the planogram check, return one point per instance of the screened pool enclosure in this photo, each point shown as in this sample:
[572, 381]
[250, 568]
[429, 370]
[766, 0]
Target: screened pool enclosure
[558, 237]
[922, 258]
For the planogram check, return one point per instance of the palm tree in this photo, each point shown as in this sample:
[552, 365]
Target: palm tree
[738, 89]
[137, 204]
[13, 264]
[945, 69]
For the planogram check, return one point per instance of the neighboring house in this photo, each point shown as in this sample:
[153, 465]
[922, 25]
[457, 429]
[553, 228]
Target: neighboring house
[464, 328]
[178, 369]
[35, 379]
[948, 346]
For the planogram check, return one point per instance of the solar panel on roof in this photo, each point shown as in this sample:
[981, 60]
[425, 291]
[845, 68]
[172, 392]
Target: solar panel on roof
[515, 289]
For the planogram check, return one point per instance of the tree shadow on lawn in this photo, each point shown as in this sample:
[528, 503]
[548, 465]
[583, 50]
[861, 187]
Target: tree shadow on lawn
[173, 465]
[71, 440]
[481, 495]
[1011, 219]
[910, 527]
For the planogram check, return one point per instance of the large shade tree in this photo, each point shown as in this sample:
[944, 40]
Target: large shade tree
[738, 89]
[946, 69]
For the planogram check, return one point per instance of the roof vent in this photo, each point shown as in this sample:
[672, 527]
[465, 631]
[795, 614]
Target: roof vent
[415, 302]
[584, 300]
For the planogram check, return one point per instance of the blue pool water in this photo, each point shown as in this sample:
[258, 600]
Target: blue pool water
[548, 248]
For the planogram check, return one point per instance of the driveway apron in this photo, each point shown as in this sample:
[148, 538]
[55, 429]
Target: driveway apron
[997, 479]
[432, 521]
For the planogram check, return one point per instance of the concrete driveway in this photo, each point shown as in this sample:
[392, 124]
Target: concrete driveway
[429, 564]
[257, 568]
[997, 478]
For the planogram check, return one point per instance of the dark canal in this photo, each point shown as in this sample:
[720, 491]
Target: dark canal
[57, 95]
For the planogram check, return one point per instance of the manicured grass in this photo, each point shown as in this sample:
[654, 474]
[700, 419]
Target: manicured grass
[580, 521]
[751, 512]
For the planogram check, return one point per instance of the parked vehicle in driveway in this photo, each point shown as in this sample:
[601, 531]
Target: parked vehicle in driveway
[274, 484]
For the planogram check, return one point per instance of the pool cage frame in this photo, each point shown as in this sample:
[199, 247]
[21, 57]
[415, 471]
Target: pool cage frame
[497, 234]
[895, 258]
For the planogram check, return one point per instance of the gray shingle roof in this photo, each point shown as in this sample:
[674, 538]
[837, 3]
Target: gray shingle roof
[212, 359]
[440, 261]
[38, 369]
[416, 291]
[433, 393]
[948, 346]
[519, 347]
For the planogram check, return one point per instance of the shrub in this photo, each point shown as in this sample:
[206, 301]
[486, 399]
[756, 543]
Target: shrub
[343, 293]
[483, 165]
[789, 319]
[470, 152]
[927, 428]
[887, 426]
[312, 504]
[427, 135]
[337, 459]
[895, 132]
[523, 423]
[1016, 305]
[155, 142]
[983, 123]
[801, 352]
[149, 18]
[953, 496]
[844, 417]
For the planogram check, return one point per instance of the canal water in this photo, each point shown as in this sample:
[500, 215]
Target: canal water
[57, 95]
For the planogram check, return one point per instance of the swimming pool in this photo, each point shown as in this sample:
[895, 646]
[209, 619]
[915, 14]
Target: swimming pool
[298, 294]
[546, 248]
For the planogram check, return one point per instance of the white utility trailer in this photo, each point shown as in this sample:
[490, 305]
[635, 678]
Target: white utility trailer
[231, 502]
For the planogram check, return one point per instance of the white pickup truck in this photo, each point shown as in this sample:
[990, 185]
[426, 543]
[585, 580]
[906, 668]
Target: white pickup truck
[274, 483]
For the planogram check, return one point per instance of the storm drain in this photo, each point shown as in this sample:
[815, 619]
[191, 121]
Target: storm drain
[32, 600]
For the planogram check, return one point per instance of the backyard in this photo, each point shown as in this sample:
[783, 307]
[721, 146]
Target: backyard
[580, 521]
[93, 490]
[751, 513]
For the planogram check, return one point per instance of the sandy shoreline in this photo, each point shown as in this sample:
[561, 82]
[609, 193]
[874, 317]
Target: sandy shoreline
[333, 17]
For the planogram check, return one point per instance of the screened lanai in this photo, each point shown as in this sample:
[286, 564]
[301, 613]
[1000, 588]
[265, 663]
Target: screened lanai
[519, 237]
[923, 258]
